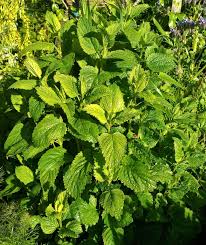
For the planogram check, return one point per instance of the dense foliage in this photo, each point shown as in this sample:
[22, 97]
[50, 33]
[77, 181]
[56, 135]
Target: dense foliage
[103, 122]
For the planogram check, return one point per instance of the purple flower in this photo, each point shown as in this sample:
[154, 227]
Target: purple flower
[186, 23]
[202, 22]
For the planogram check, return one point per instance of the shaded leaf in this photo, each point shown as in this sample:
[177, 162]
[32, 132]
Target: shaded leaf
[15, 143]
[77, 176]
[17, 101]
[113, 236]
[36, 108]
[136, 175]
[113, 202]
[49, 165]
[89, 44]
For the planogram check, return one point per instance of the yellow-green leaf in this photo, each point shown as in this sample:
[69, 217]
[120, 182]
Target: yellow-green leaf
[68, 83]
[33, 67]
[113, 102]
[24, 84]
[24, 174]
[113, 148]
[96, 111]
[48, 95]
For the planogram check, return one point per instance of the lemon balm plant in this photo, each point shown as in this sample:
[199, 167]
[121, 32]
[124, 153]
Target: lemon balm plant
[107, 137]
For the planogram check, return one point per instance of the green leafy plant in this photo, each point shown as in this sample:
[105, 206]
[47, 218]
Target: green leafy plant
[107, 135]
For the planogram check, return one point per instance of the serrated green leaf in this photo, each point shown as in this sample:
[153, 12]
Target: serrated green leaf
[113, 148]
[166, 78]
[138, 78]
[66, 63]
[24, 174]
[77, 176]
[52, 21]
[121, 59]
[11, 187]
[89, 43]
[132, 34]
[69, 109]
[17, 148]
[85, 129]
[197, 160]
[113, 202]
[32, 151]
[88, 214]
[162, 173]
[33, 67]
[88, 77]
[48, 95]
[97, 93]
[96, 111]
[73, 229]
[188, 184]
[49, 224]
[112, 31]
[113, 102]
[136, 175]
[39, 46]
[15, 143]
[148, 137]
[145, 198]
[85, 212]
[24, 84]
[48, 130]
[159, 62]
[126, 217]
[36, 108]
[17, 101]
[49, 210]
[178, 147]
[49, 165]
[126, 115]
[113, 236]
[34, 220]
[14, 136]
[69, 84]
[138, 9]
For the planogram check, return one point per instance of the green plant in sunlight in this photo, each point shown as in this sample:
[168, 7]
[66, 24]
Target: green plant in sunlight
[106, 136]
